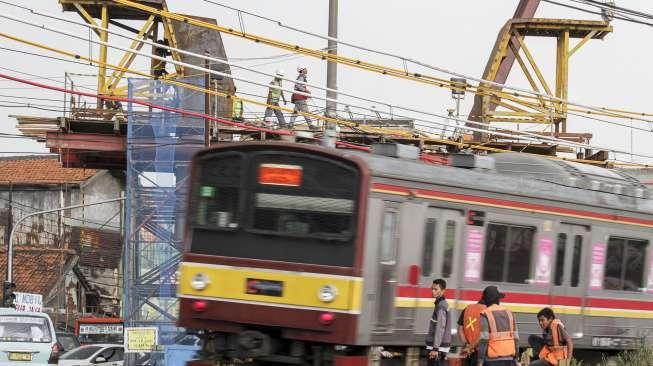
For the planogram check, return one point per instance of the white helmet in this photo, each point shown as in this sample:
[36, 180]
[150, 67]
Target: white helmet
[301, 67]
[280, 73]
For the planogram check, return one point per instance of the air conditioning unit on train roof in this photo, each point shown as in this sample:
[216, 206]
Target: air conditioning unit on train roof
[471, 161]
[396, 150]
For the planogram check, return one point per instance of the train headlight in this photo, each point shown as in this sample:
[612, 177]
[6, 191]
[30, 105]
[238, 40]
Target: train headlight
[327, 293]
[199, 281]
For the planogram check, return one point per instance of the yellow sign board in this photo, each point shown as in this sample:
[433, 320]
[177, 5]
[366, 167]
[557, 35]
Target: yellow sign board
[141, 339]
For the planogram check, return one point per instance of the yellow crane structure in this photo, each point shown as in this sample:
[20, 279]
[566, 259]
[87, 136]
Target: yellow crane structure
[493, 105]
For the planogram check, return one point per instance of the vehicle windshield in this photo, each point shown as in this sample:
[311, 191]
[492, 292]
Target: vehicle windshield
[80, 353]
[24, 328]
[67, 341]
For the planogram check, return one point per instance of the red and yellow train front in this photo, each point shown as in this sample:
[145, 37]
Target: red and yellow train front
[274, 243]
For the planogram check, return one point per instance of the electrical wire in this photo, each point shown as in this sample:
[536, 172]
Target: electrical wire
[348, 61]
[278, 132]
[482, 130]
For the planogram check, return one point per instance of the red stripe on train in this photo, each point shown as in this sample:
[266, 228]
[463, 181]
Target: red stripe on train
[507, 203]
[532, 299]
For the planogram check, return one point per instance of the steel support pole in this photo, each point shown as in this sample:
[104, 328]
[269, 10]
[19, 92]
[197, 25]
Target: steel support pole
[332, 67]
[10, 252]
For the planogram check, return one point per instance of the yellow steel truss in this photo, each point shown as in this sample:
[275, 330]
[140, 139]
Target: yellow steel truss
[512, 38]
[109, 11]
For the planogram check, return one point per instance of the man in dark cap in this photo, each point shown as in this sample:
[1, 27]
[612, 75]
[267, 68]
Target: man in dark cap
[469, 331]
[499, 339]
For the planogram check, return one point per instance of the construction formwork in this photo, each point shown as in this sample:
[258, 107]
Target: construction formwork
[160, 146]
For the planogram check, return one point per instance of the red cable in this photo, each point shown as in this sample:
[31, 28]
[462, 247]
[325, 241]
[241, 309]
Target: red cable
[168, 109]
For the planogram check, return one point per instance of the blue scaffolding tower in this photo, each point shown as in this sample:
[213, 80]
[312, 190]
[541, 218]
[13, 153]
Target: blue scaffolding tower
[160, 146]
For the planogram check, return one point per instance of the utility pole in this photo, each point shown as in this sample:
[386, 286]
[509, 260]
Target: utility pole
[10, 250]
[332, 67]
[10, 218]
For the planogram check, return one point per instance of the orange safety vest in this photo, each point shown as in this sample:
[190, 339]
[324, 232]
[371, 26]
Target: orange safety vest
[557, 352]
[472, 323]
[502, 336]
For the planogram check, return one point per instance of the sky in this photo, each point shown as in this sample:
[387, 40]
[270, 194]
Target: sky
[456, 35]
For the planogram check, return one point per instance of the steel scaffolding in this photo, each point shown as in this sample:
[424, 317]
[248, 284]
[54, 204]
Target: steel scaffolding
[160, 146]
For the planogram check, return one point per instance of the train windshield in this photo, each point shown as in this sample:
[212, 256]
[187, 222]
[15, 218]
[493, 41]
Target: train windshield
[295, 207]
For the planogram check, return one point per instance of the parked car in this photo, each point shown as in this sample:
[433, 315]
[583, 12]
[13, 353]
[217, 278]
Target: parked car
[27, 338]
[67, 341]
[94, 354]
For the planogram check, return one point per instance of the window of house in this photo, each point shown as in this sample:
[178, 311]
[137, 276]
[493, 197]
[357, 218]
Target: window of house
[508, 253]
[560, 259]
[449, 243]
[625, 264]
[427, 249]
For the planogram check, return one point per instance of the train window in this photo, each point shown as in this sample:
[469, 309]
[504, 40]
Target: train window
[624, 264]
[449, 243]
[218, 194]
[575, 264]
[508, 253]
[388, 237]
[427, 251]
[302, 197]
[560, 259]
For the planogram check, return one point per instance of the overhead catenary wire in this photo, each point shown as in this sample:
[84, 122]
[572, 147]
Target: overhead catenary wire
[278, 132]
[529, 136]
[447, 142]
[336, 58]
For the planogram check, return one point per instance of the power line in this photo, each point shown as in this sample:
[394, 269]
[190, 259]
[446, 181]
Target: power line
[483, 127]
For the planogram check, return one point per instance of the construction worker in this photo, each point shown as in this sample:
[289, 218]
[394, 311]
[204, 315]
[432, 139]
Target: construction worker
[469, 331]
[499, 339]
[274, 94]
[438, 339]
[236, 107]
[555, 344]
[300, 100]
[159, 66]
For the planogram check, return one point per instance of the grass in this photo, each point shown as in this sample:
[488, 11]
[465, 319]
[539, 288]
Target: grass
[640, 357]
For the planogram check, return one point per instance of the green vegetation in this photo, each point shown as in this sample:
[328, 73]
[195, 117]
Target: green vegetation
[640, 357]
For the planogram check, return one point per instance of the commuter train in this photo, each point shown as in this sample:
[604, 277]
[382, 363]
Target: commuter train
[300, 254]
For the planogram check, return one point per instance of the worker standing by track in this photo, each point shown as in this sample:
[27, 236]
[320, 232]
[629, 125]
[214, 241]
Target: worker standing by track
[438, 339]
[499, 339]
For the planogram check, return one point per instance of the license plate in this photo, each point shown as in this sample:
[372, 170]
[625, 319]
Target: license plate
[255, 286]
[20, 356]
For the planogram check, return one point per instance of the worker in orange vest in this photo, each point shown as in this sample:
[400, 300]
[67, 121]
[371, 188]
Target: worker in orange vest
[555, 343]
[469, 331]
[499, 340]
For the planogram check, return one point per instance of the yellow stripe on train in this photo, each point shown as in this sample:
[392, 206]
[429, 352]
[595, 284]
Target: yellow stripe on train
[409, 302]
[296, 288]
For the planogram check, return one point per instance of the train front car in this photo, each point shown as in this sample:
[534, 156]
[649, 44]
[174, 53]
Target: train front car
[271, 269]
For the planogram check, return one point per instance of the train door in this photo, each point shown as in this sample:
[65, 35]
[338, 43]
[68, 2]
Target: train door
[567, 283]
[387, 263]
[442, 230]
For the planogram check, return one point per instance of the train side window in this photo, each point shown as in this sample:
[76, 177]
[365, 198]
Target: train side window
[217, 197]
[624, 264]
[388, 235]
[511, 245]
[575, 264]
[427, 250]
[560, 259]
[449, 243]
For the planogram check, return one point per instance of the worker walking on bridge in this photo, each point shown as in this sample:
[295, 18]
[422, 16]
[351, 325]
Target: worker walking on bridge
[499, 339]
[300, 100]
[236, 107]
[555, 344]
[274, 94]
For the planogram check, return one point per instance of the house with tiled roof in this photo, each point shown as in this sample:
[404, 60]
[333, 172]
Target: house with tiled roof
[64, 256]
